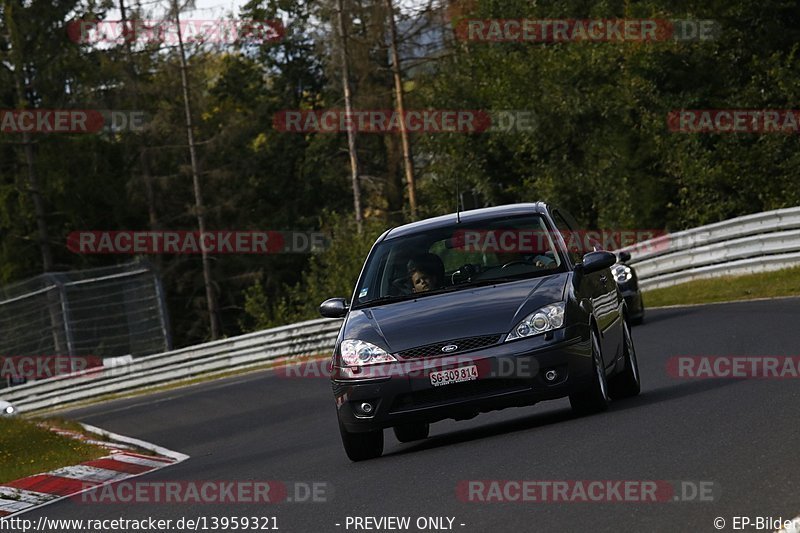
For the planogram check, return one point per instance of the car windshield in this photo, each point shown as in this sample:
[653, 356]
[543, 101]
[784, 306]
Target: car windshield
[457, 257]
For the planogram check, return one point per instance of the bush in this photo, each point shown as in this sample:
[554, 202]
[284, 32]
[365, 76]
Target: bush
[330, 273]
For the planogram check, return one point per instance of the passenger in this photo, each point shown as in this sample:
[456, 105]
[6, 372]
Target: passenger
[426, 272]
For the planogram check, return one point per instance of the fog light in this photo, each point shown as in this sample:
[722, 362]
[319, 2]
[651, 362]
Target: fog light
[366, 408]
[550, 375]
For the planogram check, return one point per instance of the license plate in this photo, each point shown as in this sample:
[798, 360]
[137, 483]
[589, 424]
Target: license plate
[454, 375]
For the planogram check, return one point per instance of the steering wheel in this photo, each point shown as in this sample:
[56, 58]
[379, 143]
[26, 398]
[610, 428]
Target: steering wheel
[465, 272]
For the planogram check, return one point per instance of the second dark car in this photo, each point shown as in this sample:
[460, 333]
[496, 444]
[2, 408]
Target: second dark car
[628, 281]
[472, 312]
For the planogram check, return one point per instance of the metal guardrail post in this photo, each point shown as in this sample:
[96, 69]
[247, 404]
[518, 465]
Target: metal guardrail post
[163, 312]
[746, 244]
[62, 292]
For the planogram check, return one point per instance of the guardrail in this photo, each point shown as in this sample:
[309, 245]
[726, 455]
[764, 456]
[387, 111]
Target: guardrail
[752, 243]
[303, 339]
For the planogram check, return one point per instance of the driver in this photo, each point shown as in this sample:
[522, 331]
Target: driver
[426, 272]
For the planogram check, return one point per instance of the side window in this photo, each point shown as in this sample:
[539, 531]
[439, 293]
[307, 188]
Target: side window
[588, 241]
[452, 259]
[571, 237]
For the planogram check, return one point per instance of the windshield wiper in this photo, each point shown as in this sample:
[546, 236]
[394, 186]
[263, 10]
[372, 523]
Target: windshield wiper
[483, 283]
[452, 288]
[388, 299]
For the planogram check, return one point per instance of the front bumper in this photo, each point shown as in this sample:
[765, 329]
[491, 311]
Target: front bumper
[633, 300]
[509, 374]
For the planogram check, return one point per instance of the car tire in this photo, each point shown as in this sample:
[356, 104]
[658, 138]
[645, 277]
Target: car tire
[595, 398]
[626, 383]
[362, 446]
[413, 431]
[640, 318]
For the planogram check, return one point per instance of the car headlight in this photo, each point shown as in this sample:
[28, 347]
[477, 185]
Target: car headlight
[547, 318]
[622, 273]
[9, 410]
[360, 353]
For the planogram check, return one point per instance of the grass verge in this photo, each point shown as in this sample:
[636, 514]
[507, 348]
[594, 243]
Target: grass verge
[762, 285]
[27, 449]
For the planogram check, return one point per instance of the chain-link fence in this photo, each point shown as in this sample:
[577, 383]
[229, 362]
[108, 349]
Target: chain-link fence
[100, 312]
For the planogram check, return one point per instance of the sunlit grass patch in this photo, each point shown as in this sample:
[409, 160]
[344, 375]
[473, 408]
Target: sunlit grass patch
[27, 449]
[762, 285]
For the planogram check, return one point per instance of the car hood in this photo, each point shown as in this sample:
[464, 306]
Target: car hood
[486, 310]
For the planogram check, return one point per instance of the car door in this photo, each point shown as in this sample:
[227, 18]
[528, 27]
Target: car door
[599, 287]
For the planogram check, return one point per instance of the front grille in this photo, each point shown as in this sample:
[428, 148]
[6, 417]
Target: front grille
[464, 345]
[459, 391]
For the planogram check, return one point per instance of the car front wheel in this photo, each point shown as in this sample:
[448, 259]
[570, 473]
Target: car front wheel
[626, 383]
[639, 319]
[593, 399]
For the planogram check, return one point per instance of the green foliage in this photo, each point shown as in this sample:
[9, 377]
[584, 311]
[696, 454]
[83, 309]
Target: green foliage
[331, 273]
[253, 177]
[601, 147]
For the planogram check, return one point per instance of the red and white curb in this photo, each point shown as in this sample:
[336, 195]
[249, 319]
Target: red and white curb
[26, 494]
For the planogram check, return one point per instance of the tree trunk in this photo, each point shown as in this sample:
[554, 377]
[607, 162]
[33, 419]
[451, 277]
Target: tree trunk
[198, 193]
[408, 164]
[348, 107]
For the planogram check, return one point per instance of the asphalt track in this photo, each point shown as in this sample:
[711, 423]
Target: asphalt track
[740, 434]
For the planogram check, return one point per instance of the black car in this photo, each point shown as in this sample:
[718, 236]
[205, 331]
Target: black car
[473, 312]
[628, 282]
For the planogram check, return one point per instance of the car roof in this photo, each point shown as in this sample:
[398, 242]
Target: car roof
[467, 217]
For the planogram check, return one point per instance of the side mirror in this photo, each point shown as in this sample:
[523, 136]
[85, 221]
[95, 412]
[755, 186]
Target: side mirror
[624, 257]
[334, 308]
[596, 261]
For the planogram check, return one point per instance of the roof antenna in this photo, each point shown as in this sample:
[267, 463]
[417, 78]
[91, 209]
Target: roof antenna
[458, 201]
